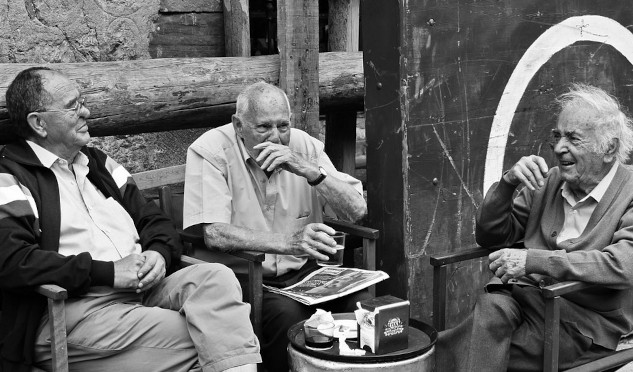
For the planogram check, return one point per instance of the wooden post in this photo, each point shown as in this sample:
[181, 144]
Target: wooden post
[343, 25]
[449, 107]
[340, 125]
[237, 35]
[298, 40]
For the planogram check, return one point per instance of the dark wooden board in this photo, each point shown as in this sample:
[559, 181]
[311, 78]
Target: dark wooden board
[456, 59]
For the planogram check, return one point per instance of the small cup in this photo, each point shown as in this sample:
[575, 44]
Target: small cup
[335, 259]
[319, 336]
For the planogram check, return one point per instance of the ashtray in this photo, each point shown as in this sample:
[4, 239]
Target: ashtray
[345, 327]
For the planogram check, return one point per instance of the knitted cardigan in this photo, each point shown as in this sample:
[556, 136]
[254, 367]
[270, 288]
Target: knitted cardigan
[602, 254]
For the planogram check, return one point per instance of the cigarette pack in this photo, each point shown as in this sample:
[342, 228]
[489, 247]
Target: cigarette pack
[383, 324]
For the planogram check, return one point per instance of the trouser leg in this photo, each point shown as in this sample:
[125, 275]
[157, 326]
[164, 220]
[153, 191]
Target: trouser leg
[279, 313]
[117, 333]
[505, 332]
[194, 313]
[482, 341]
[210, 298]
[526, 351]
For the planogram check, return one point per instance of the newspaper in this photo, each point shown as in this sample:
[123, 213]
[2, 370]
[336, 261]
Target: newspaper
[329, 283]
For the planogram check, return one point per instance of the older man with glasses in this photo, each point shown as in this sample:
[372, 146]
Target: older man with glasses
[70, 215]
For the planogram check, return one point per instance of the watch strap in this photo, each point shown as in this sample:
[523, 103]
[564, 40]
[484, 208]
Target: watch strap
[319, 179]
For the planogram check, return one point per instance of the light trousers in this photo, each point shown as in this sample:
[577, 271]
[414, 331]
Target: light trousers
[194, 320]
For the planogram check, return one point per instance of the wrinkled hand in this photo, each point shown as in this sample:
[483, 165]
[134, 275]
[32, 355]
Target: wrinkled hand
[275, 155]
[529, 170]
[126, 271]
[152, 271]
[311, 240]
[508, 263]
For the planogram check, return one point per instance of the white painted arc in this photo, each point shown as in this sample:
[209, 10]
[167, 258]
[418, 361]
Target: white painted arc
[581, 28]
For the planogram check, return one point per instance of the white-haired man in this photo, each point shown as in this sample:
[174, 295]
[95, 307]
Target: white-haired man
[257, 184]
[576, 223]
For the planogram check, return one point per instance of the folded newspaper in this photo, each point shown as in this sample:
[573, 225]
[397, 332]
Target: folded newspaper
[329, 283]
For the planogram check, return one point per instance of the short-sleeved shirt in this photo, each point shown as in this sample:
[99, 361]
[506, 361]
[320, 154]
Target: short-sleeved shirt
[223, 183]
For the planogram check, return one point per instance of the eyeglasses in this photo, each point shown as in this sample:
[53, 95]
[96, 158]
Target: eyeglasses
[81, 102]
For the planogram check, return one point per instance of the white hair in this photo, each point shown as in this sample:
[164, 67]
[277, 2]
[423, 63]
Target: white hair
[247, 99]
[612, 123]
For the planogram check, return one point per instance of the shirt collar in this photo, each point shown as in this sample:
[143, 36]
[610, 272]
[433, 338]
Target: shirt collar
[47, 158]
[601, 188]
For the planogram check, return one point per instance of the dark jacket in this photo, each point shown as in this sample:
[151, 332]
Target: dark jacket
[29, 232]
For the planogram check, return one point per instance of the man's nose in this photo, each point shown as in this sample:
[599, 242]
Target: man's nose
[84, 112]
[559, 146]
[274, 135]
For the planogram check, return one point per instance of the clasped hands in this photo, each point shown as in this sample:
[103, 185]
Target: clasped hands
[139, 272]
[508, 263]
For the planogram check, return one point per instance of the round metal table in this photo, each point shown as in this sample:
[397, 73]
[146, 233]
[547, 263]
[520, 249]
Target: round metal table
[419, 356]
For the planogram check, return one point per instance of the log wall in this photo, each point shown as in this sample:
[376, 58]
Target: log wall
[130, 97]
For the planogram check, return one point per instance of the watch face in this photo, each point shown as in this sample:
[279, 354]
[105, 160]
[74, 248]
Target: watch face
[322, 170]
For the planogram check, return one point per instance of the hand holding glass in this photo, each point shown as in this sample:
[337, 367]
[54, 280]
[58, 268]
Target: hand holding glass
[335, 259]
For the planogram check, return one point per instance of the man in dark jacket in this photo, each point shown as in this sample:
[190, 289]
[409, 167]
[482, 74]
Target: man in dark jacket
[72, 216]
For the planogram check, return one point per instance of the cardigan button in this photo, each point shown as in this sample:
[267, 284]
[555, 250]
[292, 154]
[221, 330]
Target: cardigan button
[554, 233]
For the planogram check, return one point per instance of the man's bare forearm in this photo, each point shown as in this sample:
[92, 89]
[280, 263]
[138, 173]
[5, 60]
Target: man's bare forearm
[229, 238]
[346, 202]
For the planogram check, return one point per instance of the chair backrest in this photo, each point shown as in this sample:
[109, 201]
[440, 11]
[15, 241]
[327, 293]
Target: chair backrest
[172, 204]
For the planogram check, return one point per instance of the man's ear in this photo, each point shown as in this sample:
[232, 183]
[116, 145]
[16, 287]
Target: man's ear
[37, 124]
[237, 125]
[612, 149]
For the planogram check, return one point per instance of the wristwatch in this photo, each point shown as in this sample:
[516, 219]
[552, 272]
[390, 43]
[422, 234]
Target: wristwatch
[320, 178]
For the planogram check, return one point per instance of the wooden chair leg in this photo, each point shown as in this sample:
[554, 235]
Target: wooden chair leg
[57, 316]
[369, 259]
[439, 297]
[551, 334]
[256, 295]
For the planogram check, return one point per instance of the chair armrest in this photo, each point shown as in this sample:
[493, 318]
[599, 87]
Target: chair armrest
[198, 240]
[188, 261]
[352, 229]
[462, 255]
[562, 288]
[52, 291]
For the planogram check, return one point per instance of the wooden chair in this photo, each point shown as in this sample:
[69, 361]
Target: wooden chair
[172, 204]
[56, 297]
[552, 295]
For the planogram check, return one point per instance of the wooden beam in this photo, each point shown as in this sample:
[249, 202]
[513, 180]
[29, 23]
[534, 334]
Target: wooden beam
[340, 125]
[129, 97]
[298, 41]
[183, 6]
[237, 34]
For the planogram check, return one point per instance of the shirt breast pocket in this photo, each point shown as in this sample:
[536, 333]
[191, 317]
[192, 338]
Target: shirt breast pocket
[302, 220]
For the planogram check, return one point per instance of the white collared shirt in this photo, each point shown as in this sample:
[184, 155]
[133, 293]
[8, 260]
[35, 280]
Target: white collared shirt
[89, 221]
[578, 212]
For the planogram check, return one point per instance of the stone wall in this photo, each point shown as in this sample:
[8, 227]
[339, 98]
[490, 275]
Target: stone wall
[54, 31]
